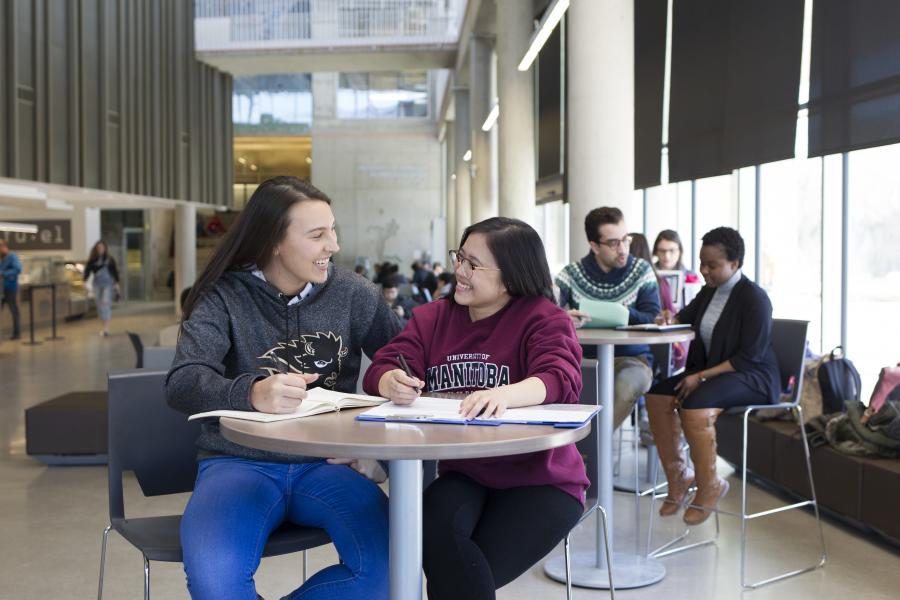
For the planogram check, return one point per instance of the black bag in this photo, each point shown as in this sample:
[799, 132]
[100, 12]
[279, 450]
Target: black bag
[839, 381]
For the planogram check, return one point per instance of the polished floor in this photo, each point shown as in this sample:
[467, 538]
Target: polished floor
[51, 518]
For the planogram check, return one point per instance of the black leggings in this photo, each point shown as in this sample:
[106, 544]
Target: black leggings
[478, 539]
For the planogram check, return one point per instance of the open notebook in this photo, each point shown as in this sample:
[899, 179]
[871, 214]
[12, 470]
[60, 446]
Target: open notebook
[318, 401]
[442, 410]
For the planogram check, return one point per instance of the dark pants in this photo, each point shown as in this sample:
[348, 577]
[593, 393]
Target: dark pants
[12, 299]
[478, 539]
[723, 391]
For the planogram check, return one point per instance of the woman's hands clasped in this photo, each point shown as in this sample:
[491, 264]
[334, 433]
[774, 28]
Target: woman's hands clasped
[281, 393]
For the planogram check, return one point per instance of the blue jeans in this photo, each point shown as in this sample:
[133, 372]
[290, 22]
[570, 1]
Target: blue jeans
[237, 503]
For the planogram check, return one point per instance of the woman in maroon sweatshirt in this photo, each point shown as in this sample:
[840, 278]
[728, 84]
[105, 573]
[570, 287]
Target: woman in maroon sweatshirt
[502, 340]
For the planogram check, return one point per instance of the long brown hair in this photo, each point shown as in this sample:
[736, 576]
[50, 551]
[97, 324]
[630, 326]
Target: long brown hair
[670, 235]
[258, 229]
[95, 253]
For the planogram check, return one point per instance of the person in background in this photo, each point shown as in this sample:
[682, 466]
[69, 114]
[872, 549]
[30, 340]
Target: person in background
[437, 268]
[669, 253]
[11, 267]
[424, 279]
[106, 281]
[640, 248]
[215, 225]
[731, 363]
[446, 282]
[486, 521]
[270, 317]
[401, 305]
[609, 273]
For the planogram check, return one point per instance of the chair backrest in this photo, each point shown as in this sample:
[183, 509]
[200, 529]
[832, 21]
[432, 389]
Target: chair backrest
[789, 344]
[138, 345]
[147, 437]
[158, 357]
[588, 446]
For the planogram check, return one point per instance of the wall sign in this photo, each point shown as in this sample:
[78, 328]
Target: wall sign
[52, 235]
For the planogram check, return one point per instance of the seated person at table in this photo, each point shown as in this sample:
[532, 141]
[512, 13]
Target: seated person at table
[400, 304]
[610, 273]
[268, 318]
[730, 363]
[501, 339]
[669, 251]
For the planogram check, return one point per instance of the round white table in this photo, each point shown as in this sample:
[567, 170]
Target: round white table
[589, 568]
[405, 446]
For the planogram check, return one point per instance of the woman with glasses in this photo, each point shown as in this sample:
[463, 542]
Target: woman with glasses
[501, 340]
[270, 317]
[730, 363]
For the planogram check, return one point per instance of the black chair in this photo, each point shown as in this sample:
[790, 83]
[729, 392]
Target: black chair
[156, 442]
[789, 344]
[138, 345]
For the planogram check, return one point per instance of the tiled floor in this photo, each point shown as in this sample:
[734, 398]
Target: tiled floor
[51, 518]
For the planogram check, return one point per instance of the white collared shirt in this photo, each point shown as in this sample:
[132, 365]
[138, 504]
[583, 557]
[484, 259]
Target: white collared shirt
[303, 293]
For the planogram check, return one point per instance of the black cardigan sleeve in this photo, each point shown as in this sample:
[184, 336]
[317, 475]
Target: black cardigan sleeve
[755, 331]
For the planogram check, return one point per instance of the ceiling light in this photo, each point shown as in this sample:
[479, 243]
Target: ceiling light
[550, 19]
[242, 160]
[309, 160]
[253, 167]
[18, 227]
[492, 117]
[467, 156]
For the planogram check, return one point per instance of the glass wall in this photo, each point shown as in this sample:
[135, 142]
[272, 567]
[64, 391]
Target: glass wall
[873, 327]
[791, 241]
[267, 104]
[388, 95]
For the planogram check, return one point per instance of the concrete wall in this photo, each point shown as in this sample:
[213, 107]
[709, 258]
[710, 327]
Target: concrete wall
[384, 178]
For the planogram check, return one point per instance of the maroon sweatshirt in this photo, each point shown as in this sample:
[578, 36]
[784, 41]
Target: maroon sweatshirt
[529, 337]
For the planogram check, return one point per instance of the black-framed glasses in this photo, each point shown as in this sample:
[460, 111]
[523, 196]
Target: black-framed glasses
[614, 244]
[465, 266]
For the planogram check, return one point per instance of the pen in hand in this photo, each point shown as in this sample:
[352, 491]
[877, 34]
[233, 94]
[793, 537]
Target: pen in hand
[406, 368]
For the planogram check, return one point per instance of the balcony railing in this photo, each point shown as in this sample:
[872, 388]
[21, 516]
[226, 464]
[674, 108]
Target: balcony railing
[223, 25]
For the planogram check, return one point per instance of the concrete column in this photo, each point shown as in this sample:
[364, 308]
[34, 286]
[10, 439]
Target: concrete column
[462, 140]
[452, 240]
[185, 249]
[600, 132]
[516, 123]
[480, 102]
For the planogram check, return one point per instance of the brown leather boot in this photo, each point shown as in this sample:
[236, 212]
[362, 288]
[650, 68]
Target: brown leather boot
[666, 427]
[700, 430]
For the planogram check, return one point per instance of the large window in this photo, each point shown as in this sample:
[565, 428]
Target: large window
[266, 104]
[791, 241]
[873, 337]
[669, 207]
[383, 95]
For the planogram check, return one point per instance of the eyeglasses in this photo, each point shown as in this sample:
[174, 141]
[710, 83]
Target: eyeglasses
[614, 244]
[465, 266]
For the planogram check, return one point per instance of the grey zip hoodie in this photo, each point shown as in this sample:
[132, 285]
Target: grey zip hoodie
[243, 325]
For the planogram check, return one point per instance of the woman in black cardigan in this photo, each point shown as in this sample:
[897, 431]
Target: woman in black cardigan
[730, 363]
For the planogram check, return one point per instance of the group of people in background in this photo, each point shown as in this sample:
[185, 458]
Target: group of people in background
[262, 294]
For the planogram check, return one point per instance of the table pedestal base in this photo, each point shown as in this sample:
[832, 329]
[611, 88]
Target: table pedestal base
[629, 571]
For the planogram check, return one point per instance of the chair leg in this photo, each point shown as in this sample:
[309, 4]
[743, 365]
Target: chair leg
[103, 561]
[305, 565]
[745, 517]
[146, 579]
[568, 558]
[609, 568]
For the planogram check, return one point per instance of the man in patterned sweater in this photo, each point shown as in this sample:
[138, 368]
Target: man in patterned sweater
[610, 273]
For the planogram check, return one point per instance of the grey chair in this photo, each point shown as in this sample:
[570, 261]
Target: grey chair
[590, 449]
[789, 344]
[156, 442]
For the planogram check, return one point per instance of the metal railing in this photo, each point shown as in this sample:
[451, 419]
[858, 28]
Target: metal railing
[222, 25]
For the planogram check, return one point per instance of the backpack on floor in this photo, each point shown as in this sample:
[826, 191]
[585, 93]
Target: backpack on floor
[888, 383]
[839, 381]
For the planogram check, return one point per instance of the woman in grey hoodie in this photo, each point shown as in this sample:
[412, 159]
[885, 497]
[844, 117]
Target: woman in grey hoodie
[270, 317]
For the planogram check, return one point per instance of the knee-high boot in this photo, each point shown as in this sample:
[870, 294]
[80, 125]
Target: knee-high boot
[700, 431]
[666, 428]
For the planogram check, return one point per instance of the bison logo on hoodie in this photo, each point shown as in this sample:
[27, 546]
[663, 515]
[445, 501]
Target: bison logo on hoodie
[320, 353]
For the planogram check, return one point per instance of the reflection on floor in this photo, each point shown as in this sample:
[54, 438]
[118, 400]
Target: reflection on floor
[52, 518]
